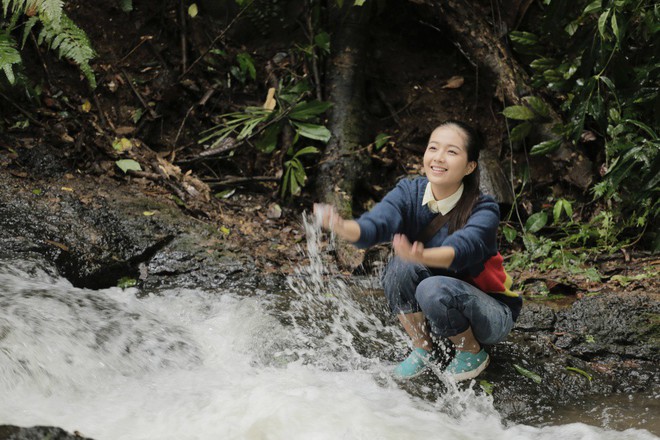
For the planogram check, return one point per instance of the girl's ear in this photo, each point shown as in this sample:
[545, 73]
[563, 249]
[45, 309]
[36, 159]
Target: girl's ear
[471, 166]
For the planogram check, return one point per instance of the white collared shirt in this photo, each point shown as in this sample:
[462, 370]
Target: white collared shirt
[441, 206]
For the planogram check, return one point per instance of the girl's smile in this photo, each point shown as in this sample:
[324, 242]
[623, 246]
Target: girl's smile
[446, 161]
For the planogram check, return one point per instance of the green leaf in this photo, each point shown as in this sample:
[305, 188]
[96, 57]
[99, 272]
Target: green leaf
[246, 64]
[524, 38]
[593, 6]
[520, 132]
[571, 28]
[127, 165]
[308, 110]
[582, 372]
[537, 104]
[322, 41]
[509, 233]
[313, 131]
[381, 140]
[602, 22]
[643, 126]
[306, 150]
[546, 147]
[486, 386]
[562, 205]
[518, 112]
[529, 374]
[126, 5]
[9, 55]
[193, 10]
[359, 2]
[225, 194]
[536, 222]
[615, 29]
[543, 64]
[608, 82]
[268, 140]
[125, 282]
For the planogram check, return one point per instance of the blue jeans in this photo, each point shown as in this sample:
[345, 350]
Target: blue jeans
[450, 305]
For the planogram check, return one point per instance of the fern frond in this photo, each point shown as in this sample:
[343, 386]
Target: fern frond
[70, 42]
[9, 56]
[51, 9]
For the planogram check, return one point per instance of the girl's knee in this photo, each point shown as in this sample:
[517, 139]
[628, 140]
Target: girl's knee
[436, 290]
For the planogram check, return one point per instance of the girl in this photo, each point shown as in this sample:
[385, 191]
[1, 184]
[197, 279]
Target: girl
[451, 284]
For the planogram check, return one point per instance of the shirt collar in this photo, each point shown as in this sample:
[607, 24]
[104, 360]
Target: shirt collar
[441, 206]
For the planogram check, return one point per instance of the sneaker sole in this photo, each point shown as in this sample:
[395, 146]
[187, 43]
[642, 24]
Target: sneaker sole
[404, 378]
[472, 373]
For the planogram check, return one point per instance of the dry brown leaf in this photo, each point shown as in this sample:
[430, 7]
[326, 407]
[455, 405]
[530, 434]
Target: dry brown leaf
[454, 82]
[270, 100]
[121, 131]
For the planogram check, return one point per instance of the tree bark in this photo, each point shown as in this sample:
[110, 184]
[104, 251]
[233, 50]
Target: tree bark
[343, 161]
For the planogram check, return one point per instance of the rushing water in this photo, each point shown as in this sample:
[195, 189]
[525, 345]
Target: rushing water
[311, 362]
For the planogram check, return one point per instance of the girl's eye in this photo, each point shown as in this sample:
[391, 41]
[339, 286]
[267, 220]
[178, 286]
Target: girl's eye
[452, 152]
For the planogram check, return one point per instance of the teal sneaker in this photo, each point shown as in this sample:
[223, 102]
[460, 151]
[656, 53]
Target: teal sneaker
[467, 365]
[413, 365]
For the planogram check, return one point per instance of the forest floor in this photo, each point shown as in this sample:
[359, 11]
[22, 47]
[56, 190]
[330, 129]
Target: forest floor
[145, 109]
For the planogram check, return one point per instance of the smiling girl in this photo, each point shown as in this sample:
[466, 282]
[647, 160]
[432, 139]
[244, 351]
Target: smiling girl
[448, 282]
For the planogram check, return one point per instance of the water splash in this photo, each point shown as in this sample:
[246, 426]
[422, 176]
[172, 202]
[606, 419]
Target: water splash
[198, 365]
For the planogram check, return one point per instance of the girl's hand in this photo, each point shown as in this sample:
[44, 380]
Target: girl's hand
[407, 251]
[328, 216]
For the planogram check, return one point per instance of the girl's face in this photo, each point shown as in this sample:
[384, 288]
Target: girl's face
[446, 159]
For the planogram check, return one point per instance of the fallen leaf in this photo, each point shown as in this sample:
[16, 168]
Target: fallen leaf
[270, 100]
[127, 165]
[124, 130]
[148, 213]
[86, 106]
[122, 145]
[67, 189]
[454, 82]
[64, 247]
[274, 211]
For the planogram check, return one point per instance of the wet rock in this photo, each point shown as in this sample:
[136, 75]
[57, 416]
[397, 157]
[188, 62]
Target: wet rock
[536, 316]
[600, 345]
[96, 236]
[622, 323]
[9, 432]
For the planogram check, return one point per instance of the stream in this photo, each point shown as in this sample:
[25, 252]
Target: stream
[309, 362]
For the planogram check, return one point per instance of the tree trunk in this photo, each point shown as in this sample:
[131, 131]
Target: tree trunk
[343, 161]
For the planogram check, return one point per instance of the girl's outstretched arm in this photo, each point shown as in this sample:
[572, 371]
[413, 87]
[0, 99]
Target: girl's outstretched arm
[348, 230]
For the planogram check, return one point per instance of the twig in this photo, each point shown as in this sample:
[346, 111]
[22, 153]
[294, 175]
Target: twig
[393, 113]
[239, 180]
[201, 102]
[315, 65]
[184, 49]
[151, 111]
[25, 112]
[219, 36]
[143, 39]
[43, 62]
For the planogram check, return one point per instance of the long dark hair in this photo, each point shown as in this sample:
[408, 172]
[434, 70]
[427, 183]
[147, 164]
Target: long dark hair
[474, 143]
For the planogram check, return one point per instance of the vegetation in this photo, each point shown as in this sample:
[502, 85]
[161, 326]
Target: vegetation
[593, 62]
[598, 61]
[52, 27]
